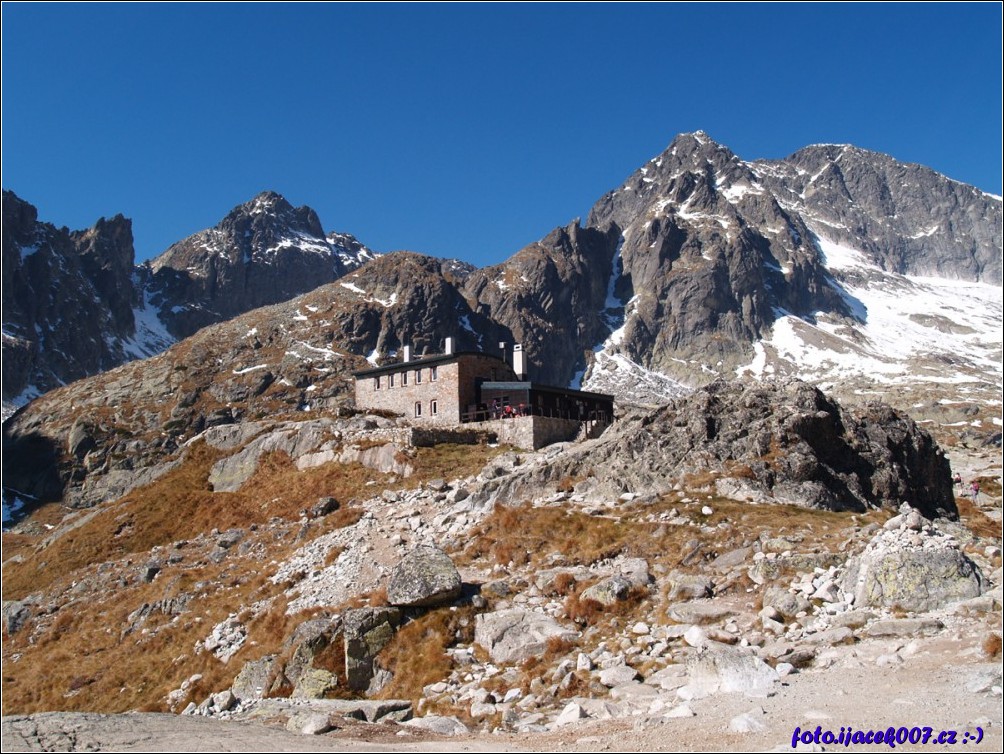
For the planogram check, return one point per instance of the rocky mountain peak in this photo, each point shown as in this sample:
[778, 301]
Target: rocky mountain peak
[269, 216]
[905, 217]
[264, 251]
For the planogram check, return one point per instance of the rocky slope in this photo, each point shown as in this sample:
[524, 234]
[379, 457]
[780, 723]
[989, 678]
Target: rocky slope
[84, 442]
[309, 590]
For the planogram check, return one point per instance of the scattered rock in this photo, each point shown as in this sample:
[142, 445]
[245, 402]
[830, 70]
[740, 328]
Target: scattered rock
[515, 635]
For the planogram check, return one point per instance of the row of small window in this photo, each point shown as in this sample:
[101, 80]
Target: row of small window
[378, 381]
[433, 408]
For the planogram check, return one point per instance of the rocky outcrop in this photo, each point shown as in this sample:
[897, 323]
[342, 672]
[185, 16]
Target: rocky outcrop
[782, 440]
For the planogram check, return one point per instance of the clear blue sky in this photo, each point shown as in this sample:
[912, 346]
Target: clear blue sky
[464, 131]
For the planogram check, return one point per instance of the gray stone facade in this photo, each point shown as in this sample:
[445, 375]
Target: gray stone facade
[433, 390]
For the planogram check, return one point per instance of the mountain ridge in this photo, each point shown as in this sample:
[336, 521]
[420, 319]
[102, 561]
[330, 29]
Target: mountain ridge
[676, 277]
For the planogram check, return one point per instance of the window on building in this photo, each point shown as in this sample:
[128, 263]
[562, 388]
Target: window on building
[376, 383]
[418, 376]
[418, 408]
[432, 374]
[390, 380]
[404, 378]
[433, 407]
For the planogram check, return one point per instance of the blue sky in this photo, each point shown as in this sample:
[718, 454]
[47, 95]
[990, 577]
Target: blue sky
[464, 131]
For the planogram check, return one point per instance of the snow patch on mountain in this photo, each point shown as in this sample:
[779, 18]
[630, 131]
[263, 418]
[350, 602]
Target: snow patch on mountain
[616, 374]
[151, 335]
[906, 329]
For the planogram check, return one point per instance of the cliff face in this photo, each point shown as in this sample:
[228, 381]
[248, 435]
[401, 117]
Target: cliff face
[68, 299]
[907, 218]
[552, 296]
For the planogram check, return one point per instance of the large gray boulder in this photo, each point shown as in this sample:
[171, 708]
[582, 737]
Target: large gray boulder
[914, 571]
[425, 577]
[511, 636]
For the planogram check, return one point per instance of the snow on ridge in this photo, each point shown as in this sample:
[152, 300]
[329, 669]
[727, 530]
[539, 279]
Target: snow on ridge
[304, 242]
[737, 191]
[839, 257]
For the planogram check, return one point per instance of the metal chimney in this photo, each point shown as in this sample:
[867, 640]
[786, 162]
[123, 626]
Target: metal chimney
[407, 353]
[449, 346]
[502, 347]
[519, 362]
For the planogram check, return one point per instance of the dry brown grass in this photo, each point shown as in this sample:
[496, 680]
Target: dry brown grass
[992, 646]
[417, 653]
[564, 584]
[78, 662]
[450, 460]
[525, 534]
[181, 505]
[978, 522]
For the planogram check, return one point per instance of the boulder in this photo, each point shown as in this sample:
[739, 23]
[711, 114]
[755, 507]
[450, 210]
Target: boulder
[912, 572]
[423, 578]
[514, 635]
[787, 603]
[366, 631]
[608, 591]
[617, 675]
[443, 726]
[728, 669]
[572, 713]
[687, 586]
